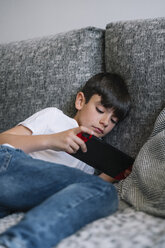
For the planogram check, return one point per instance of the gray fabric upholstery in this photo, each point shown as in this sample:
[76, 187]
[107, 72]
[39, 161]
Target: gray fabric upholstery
[126, 228]
[136, 50]
[47, 71]
[144, 188]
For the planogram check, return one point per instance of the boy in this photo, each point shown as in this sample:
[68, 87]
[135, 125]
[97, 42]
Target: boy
[62, 196]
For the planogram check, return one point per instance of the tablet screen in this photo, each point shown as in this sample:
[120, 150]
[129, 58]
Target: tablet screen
[103, 156]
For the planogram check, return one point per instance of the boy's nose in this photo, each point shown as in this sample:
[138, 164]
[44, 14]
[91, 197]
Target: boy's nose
[105, 121]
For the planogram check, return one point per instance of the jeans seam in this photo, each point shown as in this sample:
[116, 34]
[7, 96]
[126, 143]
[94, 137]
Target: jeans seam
[18, 243]
[99, 194]
[6, 162]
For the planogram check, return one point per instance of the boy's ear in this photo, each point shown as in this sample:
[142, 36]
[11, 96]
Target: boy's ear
[80, 100]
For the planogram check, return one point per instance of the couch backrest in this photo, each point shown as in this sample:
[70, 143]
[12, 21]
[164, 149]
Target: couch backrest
[48, 71]
[136, 50]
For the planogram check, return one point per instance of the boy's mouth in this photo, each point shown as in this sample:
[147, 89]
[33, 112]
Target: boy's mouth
[98, 130]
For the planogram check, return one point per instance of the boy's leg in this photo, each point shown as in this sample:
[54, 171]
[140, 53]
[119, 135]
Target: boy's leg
[26, 182]
[63, 214]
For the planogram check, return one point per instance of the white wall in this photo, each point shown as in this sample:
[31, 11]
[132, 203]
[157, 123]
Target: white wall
[23, 19]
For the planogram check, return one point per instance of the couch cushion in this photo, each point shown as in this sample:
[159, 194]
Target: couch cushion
[144, 187]
[135, 50]
[47, 71]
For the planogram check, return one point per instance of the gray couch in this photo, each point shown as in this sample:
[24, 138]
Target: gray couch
[48, 71]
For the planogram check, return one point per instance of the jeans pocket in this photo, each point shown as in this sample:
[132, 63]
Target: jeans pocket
[5, 157]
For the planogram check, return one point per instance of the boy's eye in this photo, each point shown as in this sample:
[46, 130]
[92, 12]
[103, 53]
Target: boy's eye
[114, 121]
[99, 110]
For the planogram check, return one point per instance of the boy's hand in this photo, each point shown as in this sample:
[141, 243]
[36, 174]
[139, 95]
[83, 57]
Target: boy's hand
[68, 141]
[127, 172]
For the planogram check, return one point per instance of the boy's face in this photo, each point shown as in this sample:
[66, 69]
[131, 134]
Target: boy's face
[94, 115]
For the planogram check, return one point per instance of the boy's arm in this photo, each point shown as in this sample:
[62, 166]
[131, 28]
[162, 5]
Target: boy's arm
[111, 179]
[107, 178]
[22, 138]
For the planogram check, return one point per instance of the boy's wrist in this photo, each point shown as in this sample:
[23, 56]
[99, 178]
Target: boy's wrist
[51, 142]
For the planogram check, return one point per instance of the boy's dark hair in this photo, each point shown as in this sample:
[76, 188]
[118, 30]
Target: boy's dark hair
[113, 91]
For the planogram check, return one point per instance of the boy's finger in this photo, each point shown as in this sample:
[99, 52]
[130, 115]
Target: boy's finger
[127, 172]
[81, 144]
[83, 147]
[85, 130]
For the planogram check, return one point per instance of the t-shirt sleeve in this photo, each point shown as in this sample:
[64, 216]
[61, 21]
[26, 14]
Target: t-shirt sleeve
[38, 122]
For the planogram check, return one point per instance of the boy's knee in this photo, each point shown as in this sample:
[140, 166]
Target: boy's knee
[107, 196]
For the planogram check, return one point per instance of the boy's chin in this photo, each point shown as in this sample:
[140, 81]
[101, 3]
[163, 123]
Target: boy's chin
[98, 135]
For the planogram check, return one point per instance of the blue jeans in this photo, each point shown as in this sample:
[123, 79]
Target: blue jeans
[58, 200]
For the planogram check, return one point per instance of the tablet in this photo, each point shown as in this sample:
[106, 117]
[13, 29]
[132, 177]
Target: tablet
[104, 157]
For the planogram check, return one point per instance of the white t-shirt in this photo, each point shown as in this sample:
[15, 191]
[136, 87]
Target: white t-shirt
[49, 121]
